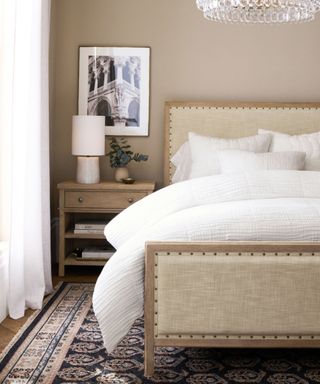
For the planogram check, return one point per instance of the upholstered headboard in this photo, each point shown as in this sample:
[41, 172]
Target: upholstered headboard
[230, 120]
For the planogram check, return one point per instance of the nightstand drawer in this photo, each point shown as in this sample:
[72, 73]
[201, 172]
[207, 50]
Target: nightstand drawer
[98, 199]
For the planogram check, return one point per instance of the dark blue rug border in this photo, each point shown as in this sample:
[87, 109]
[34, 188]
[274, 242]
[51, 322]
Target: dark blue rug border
[26, 332]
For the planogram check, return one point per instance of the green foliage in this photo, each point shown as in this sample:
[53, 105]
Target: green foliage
[121, 154]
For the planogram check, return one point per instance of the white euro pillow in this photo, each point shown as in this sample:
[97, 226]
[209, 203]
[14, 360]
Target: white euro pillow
[182, 162]
[204, 149]
[308, 143]
[235, 161]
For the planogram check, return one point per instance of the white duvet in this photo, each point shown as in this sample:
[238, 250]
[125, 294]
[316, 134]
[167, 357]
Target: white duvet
[263, 206]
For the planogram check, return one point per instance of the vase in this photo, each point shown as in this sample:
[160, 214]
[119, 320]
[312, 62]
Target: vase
[121, 173]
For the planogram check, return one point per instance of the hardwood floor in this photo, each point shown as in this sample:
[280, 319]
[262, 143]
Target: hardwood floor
[9, 327]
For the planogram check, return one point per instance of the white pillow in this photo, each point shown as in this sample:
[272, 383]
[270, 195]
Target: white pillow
[308, 143]
[182, 161]
[204, 149]
[244, 161]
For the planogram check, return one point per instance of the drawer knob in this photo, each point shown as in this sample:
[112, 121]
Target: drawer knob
[80, 199]
[130, 200]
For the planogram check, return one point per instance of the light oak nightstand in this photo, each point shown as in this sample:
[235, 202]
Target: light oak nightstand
[86, 201]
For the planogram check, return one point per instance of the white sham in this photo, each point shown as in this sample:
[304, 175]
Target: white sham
[204, 149]
[308, 143]
[232, 161]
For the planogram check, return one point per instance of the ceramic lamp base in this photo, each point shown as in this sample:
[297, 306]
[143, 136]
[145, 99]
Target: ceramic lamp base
[88, 171]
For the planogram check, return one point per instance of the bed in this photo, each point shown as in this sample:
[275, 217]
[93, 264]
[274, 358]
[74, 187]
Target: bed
[235, 312]
[223, 260]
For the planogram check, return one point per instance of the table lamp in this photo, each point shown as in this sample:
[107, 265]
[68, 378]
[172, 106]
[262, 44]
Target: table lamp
[88, 142]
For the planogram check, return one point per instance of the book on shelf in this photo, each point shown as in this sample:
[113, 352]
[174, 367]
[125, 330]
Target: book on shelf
[86, 231]
[96, 253]
[90, 225]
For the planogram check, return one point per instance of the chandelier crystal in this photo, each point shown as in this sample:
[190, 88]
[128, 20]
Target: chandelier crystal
[259, 11]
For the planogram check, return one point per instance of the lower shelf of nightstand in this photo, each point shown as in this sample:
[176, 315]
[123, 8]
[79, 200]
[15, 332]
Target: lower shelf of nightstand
[71, 260]
[72, 235]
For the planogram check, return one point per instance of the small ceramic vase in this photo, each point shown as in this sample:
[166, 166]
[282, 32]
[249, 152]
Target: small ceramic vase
[121, 173]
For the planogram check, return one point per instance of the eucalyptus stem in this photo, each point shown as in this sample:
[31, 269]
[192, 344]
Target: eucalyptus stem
[120, 153]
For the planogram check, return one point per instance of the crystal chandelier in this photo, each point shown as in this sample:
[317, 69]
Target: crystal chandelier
[259, 11]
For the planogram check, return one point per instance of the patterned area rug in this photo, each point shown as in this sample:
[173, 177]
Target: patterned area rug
[62, 344]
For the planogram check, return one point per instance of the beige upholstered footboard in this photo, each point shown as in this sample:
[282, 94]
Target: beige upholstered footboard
[231, 295]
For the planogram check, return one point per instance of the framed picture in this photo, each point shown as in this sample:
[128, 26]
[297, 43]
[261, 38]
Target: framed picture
[114, 82]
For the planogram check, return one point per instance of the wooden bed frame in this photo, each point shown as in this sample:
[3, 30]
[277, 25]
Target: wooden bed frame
[231, 294]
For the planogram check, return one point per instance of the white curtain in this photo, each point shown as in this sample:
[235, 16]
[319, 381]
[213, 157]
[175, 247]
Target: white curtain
[24, 141]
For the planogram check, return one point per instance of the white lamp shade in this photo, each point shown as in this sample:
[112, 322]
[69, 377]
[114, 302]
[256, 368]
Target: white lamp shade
[88, 136]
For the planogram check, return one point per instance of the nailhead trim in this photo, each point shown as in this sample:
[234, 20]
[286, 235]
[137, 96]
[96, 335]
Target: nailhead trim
[156, 263]
[241, 337]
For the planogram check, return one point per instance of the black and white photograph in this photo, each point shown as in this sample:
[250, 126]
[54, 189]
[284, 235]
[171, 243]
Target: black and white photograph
[114, 82]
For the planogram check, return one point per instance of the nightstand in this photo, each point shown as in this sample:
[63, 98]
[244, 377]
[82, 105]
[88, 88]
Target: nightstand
[91, 201]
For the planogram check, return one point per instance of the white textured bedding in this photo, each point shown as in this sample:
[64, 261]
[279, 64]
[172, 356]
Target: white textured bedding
[262, 206]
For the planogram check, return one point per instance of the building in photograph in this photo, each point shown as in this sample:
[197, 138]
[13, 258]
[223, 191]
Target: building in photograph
[114, 89]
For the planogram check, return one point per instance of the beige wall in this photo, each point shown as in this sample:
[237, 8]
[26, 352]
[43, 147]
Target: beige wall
[191, 59]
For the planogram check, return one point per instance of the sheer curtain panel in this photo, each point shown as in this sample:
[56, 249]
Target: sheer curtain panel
[24, 129]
